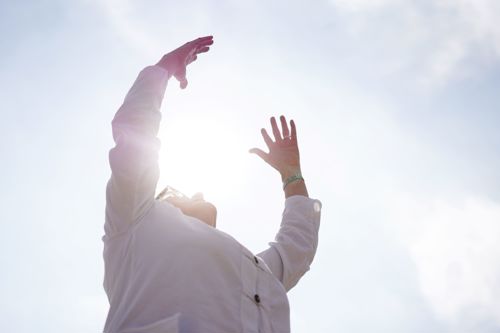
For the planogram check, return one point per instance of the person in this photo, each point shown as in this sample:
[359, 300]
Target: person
[167, 267]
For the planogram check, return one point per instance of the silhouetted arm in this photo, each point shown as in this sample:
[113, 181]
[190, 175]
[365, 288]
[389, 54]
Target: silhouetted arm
[134, 159]
[290, 255]
[293, 250]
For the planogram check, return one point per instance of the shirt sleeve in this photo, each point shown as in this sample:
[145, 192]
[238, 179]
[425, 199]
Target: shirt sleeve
[134, 159]
[291, 254]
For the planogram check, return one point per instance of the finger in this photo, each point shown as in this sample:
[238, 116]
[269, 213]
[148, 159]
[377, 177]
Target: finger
[284, 127]
[260, 153]
[203, 41]
[204, 38]
[267, 138]
[200, 40]
[294, 131]
[194, 47]
[276, 131]
[193, 54]
[181, 76]
[183, 82]
[202, 49]
[206, 42]
[192, 59]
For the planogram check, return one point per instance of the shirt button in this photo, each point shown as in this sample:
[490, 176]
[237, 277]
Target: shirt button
[256, 260]
[317, 207]
[256, 298]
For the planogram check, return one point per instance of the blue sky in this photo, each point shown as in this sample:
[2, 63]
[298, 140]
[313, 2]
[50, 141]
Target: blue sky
[396, 104]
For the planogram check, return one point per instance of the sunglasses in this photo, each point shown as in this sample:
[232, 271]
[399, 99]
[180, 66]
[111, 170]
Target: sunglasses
[170, 192]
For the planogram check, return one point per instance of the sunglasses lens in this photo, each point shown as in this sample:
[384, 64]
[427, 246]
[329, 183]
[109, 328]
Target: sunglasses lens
[170, 192]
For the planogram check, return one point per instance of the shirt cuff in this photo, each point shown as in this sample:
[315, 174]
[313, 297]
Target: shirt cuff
[301, 203]
[161, 70]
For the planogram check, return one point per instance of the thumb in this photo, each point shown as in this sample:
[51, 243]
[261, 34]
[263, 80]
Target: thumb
[260, 153]
[183, 83]
[181, 77]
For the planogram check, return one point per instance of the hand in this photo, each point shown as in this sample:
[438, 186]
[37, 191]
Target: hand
[175, 62]
[283, 151]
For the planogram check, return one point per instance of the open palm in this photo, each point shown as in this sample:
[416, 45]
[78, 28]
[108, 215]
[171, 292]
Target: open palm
[283, 151]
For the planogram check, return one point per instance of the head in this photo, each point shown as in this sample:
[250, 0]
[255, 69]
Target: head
[196, 206]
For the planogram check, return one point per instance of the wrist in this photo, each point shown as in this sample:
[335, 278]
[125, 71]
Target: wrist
[170, 63]
[296, 177]
[296, 187]
[290, 172]
[168, 73]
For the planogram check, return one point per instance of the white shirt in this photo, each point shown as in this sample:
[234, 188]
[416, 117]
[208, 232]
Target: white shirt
[168, 272]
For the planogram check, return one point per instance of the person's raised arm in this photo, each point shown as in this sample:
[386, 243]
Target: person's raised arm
[134, 159]
[293, 250]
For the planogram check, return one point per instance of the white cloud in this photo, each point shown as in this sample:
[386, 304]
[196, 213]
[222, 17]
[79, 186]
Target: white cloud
[121, 15]
[455, 250]
[442, 40]
[358, 5]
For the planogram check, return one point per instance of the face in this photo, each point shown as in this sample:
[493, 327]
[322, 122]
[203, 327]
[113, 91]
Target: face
[196, 207]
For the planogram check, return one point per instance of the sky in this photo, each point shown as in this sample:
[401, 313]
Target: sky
[396, 104]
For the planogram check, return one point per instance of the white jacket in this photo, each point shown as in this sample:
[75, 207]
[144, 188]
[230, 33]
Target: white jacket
[168, 272]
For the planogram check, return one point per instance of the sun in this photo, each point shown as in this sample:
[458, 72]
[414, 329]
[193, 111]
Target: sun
[202, 154]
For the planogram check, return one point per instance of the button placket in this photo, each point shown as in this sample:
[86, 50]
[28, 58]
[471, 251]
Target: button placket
[250, 306]
[256, 297]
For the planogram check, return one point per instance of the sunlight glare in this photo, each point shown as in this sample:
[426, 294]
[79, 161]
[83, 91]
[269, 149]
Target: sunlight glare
[202, 154]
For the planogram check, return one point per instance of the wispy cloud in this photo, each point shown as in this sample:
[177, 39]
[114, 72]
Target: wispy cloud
[455, 249]
[121, 15]
[443, 40]
[363, 5]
